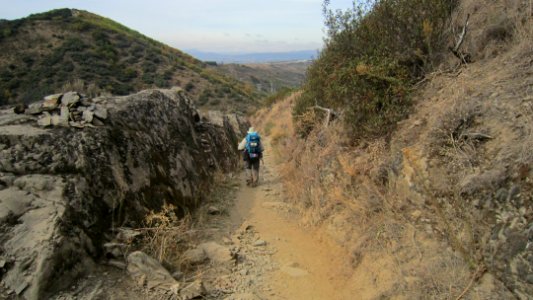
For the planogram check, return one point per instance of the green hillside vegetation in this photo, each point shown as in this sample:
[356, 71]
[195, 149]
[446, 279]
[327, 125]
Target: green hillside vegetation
[44, 52]
[371, 58]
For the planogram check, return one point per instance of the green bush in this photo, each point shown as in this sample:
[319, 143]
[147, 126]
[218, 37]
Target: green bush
[373, 53]
[161, 82]
[148, 78]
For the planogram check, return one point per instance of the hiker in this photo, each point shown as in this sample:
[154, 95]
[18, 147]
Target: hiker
[252, 150]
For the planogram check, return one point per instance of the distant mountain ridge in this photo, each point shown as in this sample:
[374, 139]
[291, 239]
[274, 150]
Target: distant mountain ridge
[260, 57]
[44, 52]
[267, 78]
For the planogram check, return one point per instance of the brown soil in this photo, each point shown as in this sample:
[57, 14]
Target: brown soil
[311, 266]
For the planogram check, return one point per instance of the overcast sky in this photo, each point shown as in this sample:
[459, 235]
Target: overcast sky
[206, 25]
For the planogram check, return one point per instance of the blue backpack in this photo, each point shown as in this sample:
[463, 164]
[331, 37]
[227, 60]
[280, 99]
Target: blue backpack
[253, 144]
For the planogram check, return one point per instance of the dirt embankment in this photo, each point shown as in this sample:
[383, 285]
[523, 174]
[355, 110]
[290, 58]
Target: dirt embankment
[441, 208]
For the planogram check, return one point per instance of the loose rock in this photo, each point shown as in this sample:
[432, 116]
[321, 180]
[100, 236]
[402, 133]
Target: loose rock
[45, 120]
[51, 102]
[294, 271]
[97, 122]
[34, 109]
[193, 290]
[213, 210]
[145, 268]
[88, 116]
[100, 112]
[116, 250]
[260, 243]
[216, 252]
[194, 257]
[70, 98]
[117, 264]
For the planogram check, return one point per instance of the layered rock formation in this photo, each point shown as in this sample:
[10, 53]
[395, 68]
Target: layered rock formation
[62, 188]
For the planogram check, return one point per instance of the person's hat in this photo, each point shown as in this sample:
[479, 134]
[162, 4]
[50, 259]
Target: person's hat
[251, 129]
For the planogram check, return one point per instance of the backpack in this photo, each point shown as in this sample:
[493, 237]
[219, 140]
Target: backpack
[253, 144]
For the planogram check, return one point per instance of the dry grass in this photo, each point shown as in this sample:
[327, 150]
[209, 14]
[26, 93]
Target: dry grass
[78, 85]
[276, 123]
[165, 236]
[495, 26]
[422, 204]
[325, 178]
[449, 136]
[163, 233]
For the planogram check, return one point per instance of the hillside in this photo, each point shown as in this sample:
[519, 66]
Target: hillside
[268, 78]
[423, 176]
[44, 52]
[400, 169]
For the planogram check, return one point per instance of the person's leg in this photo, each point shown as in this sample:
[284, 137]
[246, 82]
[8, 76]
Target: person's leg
[249, 172]
[255, 168]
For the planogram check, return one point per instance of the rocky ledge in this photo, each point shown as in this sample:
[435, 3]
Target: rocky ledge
[63, 187]
[67, 109]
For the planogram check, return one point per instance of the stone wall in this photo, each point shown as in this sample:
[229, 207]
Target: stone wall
[62, 187]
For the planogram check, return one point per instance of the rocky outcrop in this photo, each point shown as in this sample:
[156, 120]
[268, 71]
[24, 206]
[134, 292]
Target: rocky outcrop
[62, 187]
[68, 109]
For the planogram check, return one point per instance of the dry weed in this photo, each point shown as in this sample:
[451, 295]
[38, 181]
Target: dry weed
[163, 233]
[450, 136]
[78, 85]
[324, 176]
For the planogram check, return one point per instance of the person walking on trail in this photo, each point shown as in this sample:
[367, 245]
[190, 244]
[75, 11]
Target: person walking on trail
[252, 149]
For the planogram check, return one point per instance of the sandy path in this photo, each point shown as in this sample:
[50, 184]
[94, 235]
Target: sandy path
[310, 265]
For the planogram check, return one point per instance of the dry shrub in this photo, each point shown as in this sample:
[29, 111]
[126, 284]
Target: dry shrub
[323, 175]
[78, 85]
[450, 136]
[326, 179]
[267, 129]
[494, 27]
[277, 134]
[276, 123]
[524, 24]
[163, 233]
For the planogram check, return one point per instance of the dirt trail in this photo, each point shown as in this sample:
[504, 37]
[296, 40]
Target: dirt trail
[272, 257]
[308, 264]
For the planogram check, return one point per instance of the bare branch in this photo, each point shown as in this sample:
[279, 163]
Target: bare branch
[330, 114]
[463, 34]
[455, 50]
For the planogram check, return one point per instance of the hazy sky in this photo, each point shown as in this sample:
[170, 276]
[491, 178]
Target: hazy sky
[207, 25]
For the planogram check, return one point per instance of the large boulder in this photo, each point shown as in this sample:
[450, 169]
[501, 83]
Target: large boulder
[63, 188]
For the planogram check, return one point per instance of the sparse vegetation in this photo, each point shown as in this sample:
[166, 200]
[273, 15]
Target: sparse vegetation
[165, 236]
[163, 233]
[453, 178]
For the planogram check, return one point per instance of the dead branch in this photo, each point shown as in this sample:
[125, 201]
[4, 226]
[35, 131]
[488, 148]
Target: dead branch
[455, 50]
[476, 136]
[462, 35]
[479, 272]
[330, 114]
